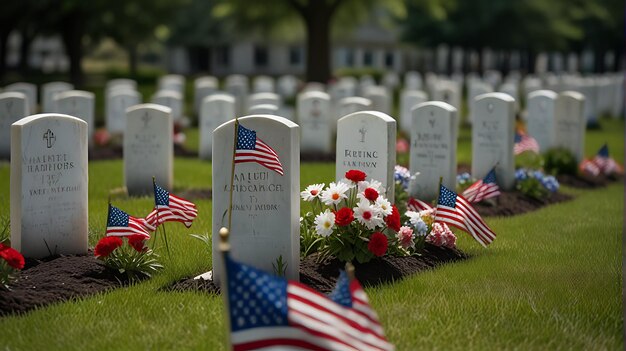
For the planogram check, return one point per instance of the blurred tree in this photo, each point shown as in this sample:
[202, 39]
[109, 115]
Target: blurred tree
[10, 18]
[132, 22]
[317, 17]
[198, 33]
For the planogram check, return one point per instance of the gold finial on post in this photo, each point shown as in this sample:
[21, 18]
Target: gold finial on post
[224, 244]
[350, 271]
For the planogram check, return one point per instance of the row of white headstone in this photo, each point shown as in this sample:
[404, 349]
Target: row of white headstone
[49, 171]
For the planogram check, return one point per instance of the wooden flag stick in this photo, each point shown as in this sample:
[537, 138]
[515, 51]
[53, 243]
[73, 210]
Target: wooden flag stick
[350, 271]
[224, 247]
[232, 173]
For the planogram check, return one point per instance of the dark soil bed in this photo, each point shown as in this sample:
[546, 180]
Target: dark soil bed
[57, 279]
[514, 203]
[322, 276]
[588, 182]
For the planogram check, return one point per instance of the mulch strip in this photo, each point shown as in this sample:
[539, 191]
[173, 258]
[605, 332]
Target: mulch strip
[57, 279]
[514, 202]
[322, 276]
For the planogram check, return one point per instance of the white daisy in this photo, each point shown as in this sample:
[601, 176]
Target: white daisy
[334, 193]
[374, 184]
[414, 217]
[312, 191]
[368, 215]
[324, 223]
[383, 206]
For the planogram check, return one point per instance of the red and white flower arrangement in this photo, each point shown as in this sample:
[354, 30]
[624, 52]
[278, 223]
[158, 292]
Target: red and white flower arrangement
[135, 260]
[427, 231]
[352, 219]
[11, 261]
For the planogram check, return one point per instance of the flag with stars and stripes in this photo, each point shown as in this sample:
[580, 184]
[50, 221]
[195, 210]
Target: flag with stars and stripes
[524, 142]
[485, 188]
[252, 149]
[417, 205]
[456, 211]
[271, 313]
[120, 223]
[606, 164]
[169, 207]
[589, 167]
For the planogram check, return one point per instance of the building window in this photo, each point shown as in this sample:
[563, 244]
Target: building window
[223, 55]
[368, 58]
[260, 56]
[295, 56]
[389, 59]
[349, 57]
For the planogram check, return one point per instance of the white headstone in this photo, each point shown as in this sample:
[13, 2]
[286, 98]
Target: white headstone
[28, 89]
[172, 82]
[266, 204]
[216, 110]
[13, 107]
[413, 81]
[117, 102]
[263, 84]
[540, 117]
[391, 81]
[79, 104]
[433, 148]
[367, 141]
[314, 86]
[493, 134]
[381, 101]
[570, 123]
[315, 122]
[237, 86]
[148, 148]
[171, 99]
[365, 82]
[121, 83]
[203, 87]
[263, 109]
[476, 88]
[263, 99]
[49, 90]
[408, 100]
[49, 185]
[287, 86]
[512, 90]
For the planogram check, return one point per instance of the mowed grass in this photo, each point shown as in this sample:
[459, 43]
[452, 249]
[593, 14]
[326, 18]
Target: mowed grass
[551, 280]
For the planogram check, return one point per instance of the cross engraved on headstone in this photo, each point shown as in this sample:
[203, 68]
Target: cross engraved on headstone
[50, 138]
[362, 131]
[146, 119]
[432, 123]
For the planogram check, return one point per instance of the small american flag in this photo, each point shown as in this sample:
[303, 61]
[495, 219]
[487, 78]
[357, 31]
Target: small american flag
[456, 211]
[524, 142]
[485, 188]
[606, 164]
[418, 205]
[252, 149]
[271, 313]
[120, 223]
[169, 207]
[589, 167]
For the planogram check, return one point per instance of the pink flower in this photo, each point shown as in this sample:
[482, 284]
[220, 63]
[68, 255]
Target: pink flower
[437, 235]
[406, 236]
[402, 146]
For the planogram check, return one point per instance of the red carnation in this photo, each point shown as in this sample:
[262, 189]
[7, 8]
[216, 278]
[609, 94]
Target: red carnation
[12, 256]
[344, 216]
[355, 175]
[138, 242]
[378, 244]
[393, 220]
[370, 194]
[107, 245]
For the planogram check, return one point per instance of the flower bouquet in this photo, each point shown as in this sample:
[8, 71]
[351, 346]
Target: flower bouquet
[420, 228]
[11, 261]
[351, 219]
[135, 260]
[535, 183]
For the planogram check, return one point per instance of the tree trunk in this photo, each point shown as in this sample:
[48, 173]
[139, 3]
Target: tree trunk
[318, 46]
[4, 37]
[531, 57]
[618, 63]
[133, 57]
[27, 39]
[480, 69]
[598, 61]
[73, 30]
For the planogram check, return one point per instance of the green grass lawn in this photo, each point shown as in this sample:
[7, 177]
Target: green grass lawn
[551, 280]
